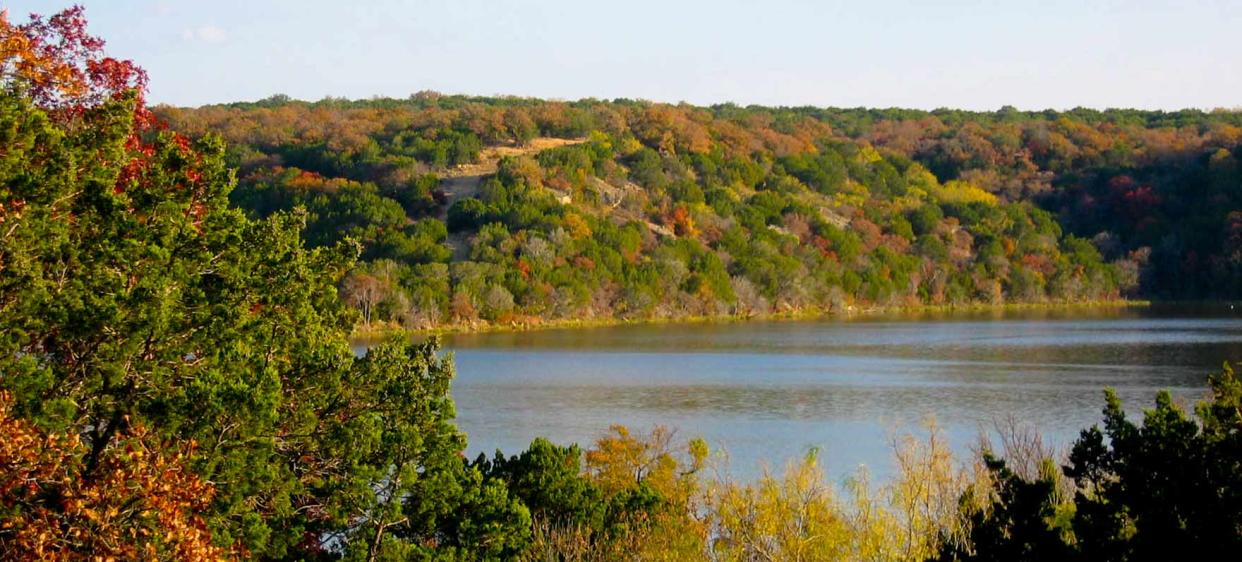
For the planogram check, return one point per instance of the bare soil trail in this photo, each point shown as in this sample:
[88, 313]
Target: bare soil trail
[462, 182]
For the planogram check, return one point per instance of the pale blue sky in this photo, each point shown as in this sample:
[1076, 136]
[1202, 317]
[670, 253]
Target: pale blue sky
[1032, 54]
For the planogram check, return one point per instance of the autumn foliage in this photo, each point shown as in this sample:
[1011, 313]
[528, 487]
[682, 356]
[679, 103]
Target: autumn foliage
[62, 67]
[142, 502]
[128, 494]
[630, 210]
[668, 499]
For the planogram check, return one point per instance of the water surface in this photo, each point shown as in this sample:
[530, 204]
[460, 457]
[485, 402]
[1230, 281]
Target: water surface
[765, 392]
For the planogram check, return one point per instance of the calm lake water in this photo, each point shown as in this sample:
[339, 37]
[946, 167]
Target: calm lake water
[765, 392]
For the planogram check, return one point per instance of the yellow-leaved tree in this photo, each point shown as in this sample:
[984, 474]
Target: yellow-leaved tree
[643, 468]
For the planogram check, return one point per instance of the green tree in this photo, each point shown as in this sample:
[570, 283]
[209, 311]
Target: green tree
[131, 295]
[1020, 522]
[1166, 489]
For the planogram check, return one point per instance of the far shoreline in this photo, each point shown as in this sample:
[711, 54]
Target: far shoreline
[378, 332]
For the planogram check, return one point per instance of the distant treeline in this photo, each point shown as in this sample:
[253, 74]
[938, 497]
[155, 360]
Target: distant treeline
[675, 210]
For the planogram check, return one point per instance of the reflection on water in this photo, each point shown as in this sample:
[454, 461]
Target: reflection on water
[768, 391]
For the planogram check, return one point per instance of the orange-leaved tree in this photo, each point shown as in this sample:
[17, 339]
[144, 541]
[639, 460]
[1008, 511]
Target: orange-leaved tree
[62, 67]
[141, 504]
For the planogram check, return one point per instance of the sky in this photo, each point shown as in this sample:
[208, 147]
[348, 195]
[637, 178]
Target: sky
[1032, 54]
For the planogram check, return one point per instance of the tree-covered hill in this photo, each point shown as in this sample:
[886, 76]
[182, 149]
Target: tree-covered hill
[669, 211]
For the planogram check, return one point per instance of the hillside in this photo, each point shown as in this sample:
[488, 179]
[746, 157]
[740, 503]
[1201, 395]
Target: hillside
[507, 209]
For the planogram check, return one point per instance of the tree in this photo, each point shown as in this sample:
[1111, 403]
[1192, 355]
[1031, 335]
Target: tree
[520, 126]
[548, 479]
[497, 302]
[62, 68]
[1166, 489]
[1169, 487]
[794, 517]
[1018, 524]
[145, 503]
[410, 492]
[363, 291]
[132, 296]
[467, 214]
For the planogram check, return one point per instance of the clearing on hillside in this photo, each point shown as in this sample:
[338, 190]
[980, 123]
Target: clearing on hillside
[463, 181]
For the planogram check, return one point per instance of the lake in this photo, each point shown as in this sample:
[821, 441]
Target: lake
[763, 393]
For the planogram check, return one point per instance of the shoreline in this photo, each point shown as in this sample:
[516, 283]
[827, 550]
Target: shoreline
[850, 313]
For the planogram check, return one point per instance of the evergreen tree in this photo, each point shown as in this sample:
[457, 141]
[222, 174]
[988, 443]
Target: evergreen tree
[131, 295]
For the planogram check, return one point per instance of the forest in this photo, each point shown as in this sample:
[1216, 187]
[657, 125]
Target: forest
[507, 211]
[176, 380]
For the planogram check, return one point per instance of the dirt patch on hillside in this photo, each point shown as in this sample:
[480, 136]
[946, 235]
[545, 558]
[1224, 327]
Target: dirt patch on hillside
[489, 157]
[462, 182]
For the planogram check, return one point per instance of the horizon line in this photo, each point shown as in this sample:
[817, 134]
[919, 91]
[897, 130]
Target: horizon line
[642, 100]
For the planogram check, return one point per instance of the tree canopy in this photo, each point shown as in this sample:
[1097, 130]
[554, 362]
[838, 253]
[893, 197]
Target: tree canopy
[135, 301]
[642, 210]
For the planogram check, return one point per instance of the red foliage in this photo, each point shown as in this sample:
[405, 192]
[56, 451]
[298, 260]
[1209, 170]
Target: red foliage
[64, 71]
[869, 232]
[63, 67]
[1039, 263]
[824, 246]
[1133, 200]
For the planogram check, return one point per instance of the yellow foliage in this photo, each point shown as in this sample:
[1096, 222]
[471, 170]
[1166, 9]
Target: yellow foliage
[913, 199]
[601, 139]
[629, 145]
[622, 462]
[21, 59]
[958, 191]
[794, 517]
[576, 226]
[922, 182]
[852, 193]
[869, 155]
[924, 497]
[797, 515]
[921, 179]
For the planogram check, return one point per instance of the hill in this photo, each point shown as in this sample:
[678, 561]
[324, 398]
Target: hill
[509, 209]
